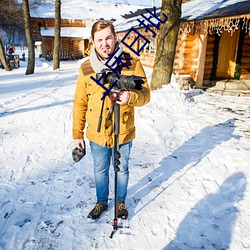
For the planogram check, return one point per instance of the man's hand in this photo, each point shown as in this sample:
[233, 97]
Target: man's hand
[79, 151]
[123, 97]
[79, 143]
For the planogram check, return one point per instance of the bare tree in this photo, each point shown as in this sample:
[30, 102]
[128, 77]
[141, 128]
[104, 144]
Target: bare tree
[56, 59]
[11, 16]
[34, 4]
[166, 45]
[3, 57]
[28, 33]
[11, 24]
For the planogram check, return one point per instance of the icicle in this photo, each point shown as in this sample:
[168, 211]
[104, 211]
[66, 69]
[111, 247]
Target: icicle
[217, 25]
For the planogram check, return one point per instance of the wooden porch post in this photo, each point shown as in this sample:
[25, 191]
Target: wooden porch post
[201, 60]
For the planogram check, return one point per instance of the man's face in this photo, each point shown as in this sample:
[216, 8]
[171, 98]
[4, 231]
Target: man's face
[104, 42]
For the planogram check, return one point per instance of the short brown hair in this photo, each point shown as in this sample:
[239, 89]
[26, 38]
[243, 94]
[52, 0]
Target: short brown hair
[100, 25]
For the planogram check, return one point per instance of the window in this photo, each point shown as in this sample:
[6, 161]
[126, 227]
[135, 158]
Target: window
[150, 47]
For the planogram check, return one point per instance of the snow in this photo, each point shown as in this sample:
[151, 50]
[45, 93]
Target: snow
[189, 169]
[195, 9]
[84, 33]
[150, 3]
[192, 10]
[126, 24]
[87, 10]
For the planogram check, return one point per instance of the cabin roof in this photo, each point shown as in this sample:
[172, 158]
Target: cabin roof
[209, 9]
[193, 10]
[77, 32]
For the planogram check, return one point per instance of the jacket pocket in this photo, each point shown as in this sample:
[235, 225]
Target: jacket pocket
[127, 120]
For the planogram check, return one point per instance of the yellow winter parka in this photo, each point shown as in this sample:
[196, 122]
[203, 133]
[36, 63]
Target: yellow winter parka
[87, 106]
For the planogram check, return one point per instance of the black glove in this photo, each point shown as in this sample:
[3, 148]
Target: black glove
[78, 153]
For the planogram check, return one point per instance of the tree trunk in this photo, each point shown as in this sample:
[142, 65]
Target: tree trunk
[3, 57]
[29, 38]
[56, 59]
[166, 45]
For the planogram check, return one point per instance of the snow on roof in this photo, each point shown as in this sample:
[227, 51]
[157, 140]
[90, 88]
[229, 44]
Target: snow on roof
[80, 32]
[197, 9]
[85, 10]
[126, 24]
[192, 10]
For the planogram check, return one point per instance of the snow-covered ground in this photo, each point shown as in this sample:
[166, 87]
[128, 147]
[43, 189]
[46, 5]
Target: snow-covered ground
[189, 170]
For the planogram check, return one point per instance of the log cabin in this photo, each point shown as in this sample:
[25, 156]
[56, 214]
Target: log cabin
[74, 37]
[213, 41]
[77, 19]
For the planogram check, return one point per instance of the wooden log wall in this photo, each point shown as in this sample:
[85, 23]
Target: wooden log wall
[135, 46]
[186, 55]
[178, 61]
[47, 45]
[190, 56]
[66, 44]
[128, 40]
[50, 22]
[245, 60]
[185, 58]
[146, 58]
[73, 45]
[209, 57]
[79, 46]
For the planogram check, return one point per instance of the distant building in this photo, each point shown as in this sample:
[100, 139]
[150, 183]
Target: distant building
[77, 19]
[74, 37]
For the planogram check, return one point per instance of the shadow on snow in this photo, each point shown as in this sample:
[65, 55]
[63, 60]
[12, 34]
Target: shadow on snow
[209, 225]
[190, 153]
[23, 110]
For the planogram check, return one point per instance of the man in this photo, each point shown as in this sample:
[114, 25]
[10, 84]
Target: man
[87, 106]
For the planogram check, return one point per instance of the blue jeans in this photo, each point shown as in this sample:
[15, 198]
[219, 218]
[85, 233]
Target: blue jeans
[102, 158]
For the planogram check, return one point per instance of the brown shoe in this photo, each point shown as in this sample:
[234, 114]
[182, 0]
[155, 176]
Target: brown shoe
[122, 211]
[97, 210]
